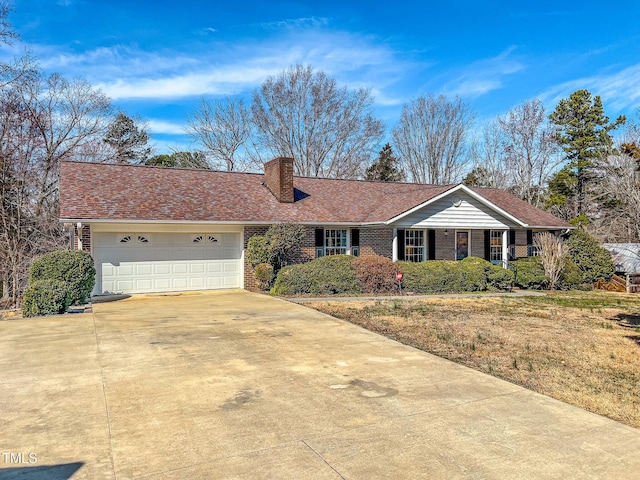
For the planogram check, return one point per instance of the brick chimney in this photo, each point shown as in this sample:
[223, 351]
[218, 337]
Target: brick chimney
[278, 176]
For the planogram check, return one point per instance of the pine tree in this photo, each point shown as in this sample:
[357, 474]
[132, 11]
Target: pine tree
[582, 130]
[386, 168]
[128, 140]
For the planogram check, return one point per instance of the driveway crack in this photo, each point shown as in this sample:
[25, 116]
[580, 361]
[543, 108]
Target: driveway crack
[322, 458]
[104, 394]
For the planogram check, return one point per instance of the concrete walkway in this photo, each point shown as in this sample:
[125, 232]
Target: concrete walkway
[231, 384]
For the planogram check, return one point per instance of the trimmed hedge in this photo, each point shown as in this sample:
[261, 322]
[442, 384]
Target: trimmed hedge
[529, 273]
[376, 274]
[444, 276]
[323, 276]
[344, 274]
[46, 297]
[74, 267]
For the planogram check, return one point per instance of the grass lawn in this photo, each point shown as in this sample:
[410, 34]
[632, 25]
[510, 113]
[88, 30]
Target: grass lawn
[579, 347]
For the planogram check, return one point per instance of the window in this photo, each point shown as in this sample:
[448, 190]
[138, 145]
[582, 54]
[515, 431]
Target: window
[197, 238]
[495, 246]
[212, 239]
[335, 242]
[134, 239]
[414, 245]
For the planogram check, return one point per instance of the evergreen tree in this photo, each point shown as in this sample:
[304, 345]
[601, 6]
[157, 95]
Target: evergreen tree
[582, 130]
[128, 140]
[385, 169]
[195, 160]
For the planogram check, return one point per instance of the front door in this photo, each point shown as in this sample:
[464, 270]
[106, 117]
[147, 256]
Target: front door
[462, 245]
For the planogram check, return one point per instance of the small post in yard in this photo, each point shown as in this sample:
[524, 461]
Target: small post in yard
[399, 280]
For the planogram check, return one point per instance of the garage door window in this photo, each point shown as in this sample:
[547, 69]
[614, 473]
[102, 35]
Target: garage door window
[131, 239]
[205, 239]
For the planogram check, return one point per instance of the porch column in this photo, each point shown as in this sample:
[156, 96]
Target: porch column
[394, 246]
[79, 233]
[505, 248]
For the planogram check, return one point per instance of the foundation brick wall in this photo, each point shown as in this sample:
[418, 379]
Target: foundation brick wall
[376, 241]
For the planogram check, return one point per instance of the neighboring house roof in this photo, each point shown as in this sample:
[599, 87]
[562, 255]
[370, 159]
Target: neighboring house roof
[94, 191]
[626, 256]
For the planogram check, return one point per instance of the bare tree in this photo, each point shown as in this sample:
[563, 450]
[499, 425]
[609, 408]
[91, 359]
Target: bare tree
[553, 252]
[431, 138]
[329, 131]
[226, 131]
[487, 152]
[618, 193]
[517, 152]
[531, 154]
[42, 121]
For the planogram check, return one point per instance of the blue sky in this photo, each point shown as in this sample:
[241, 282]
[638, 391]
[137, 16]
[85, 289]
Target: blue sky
[157, 59]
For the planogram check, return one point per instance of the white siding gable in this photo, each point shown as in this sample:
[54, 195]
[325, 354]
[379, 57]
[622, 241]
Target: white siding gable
[470, 213]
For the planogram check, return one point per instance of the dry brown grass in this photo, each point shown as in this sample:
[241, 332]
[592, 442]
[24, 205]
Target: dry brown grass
[580, 347]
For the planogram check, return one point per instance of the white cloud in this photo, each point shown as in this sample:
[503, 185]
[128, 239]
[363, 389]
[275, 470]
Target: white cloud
[303, 22]
[164, 127]
[619, 90]
[225, 69]
[483, 76]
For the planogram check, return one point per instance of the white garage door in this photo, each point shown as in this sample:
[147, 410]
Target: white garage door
[166, 262]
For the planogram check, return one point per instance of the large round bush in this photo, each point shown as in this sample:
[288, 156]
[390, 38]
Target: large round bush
[46, 297]
[74, 267]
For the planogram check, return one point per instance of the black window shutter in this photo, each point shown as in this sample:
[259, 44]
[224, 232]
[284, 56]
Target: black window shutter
[487, 244]
[431, 244]
[512, 237]
[400, 244]
[529, 237]
[319, 237]
[355, 237]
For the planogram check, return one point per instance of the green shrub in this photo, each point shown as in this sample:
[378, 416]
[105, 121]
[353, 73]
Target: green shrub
[594, 261]
[444, 276]
[571, 277]
[46, 297]
[74, 267]
[258, 251]
[284, 241]
[529, 273]
[323, 276]
[264, 275]
[499, 278]
[376, 274]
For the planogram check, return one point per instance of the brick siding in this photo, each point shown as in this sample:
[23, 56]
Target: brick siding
[477, 243]
[445, 245]
[84, 236]
[278, 174]
[250, 282]
[376, 241]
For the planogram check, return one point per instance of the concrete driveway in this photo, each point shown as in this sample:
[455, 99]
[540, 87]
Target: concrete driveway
[230, 384]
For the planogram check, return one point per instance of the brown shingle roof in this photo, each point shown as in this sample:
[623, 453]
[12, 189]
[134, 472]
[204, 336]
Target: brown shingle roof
[92, 191]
